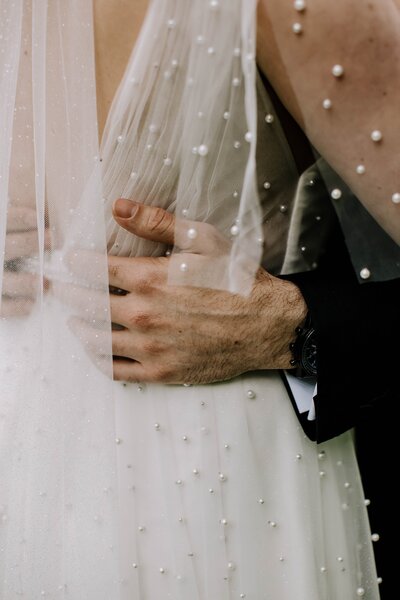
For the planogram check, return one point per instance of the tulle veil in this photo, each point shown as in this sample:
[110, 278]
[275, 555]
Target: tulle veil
[184, 118]
[182, 134]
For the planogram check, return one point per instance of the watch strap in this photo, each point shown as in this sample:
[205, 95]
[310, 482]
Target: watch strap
[304, 351]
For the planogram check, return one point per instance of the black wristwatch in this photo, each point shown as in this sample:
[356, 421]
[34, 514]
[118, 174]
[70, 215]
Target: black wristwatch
[304, 351]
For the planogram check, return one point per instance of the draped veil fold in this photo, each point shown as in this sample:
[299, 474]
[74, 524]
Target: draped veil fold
[181, 134]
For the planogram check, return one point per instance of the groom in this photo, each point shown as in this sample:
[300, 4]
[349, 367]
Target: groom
[188, 335]
[191, 335]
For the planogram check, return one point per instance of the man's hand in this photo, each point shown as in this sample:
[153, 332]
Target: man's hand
[181, 334]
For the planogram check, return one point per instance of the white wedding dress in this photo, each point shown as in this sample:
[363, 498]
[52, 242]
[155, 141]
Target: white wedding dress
[113, 491]
[220, 494]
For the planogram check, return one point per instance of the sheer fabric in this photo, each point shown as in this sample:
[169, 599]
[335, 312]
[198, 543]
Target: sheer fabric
[58, 449]
[342, 84]
[73, 445]
[182, 134]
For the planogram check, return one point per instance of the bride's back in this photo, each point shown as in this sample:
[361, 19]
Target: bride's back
[117, 25]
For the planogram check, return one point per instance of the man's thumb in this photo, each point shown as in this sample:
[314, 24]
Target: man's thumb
[149, 222]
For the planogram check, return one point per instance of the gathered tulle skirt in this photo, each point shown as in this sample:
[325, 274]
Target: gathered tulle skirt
[113, 491]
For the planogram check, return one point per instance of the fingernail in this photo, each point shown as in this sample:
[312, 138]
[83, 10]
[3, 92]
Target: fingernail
[125, 209]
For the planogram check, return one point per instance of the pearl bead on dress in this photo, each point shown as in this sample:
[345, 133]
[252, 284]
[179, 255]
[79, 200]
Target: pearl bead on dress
[297, 28]
[396, 198]
[221, 480]
[376, 136]
[336, 194]
[300, 5]
[337, 70]
[192, 233]
[202, 150]
[365, 273]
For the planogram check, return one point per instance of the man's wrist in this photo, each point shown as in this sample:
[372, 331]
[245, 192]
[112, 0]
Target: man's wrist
[284, 310]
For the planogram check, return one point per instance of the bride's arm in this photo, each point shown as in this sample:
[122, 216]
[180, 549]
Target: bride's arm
[363, 38]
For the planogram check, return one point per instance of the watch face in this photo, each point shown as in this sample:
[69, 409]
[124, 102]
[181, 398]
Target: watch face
[309, 354]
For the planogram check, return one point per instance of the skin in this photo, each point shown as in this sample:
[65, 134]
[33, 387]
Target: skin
[278, 304]
[193, 335]
[180, 334]
[183, 334]
[117, 24]
[19, 289]
[299, 68]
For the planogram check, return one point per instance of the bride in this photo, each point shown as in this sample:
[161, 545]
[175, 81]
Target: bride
[115, 490]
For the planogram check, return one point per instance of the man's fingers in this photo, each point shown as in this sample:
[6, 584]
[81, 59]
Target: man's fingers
[124, 273]
[97, 341]
[20, 285]
[137, 274]
[148, 222]
[24, 244]
[19, 245]
[21, 218]
[132, 312]
[90, 304]
[96, 345]
[20, 307]
[156, 224]
[87, 303]
[94, 342]
[130, 371]
[136, 372]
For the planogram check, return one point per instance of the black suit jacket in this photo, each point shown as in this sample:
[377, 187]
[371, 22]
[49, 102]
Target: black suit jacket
[356, 326]
[358, 372]
[355, 323]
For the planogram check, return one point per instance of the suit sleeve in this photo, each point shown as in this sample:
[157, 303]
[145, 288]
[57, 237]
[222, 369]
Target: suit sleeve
[358, 331]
